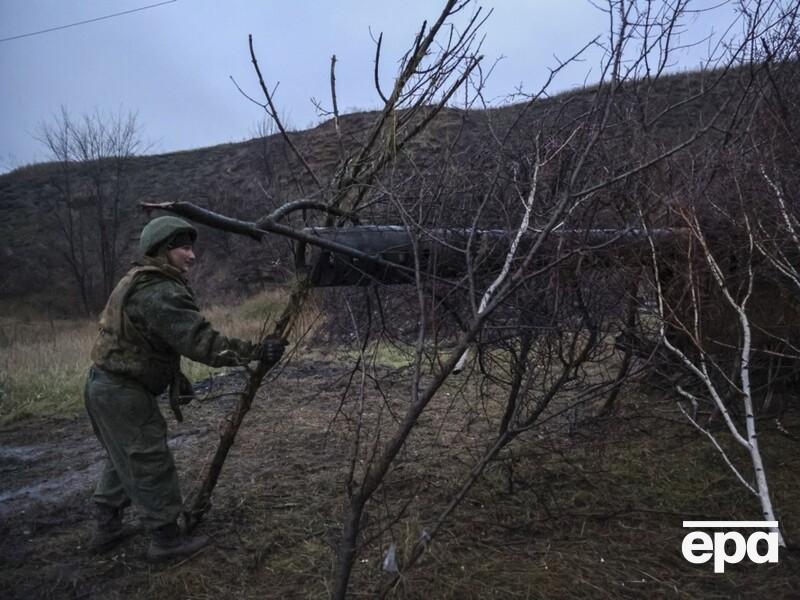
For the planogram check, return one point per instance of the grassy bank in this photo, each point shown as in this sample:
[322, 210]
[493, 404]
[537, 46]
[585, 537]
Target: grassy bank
[43, 363]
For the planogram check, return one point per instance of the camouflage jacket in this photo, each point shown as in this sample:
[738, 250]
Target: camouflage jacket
[151, 320]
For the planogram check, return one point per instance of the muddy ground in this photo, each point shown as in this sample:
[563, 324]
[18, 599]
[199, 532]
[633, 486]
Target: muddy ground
[552, 520]
[49, 467]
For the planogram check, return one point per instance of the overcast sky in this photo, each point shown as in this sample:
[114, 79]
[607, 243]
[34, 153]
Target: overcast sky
[172, 63]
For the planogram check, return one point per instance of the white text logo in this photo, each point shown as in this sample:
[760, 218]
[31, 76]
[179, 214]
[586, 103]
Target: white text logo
[699, 547]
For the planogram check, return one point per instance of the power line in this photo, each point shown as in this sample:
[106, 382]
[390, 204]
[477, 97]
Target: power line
[126, 12]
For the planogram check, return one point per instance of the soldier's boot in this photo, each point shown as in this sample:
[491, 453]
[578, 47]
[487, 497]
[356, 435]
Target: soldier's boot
[108, 529]
[169, 542]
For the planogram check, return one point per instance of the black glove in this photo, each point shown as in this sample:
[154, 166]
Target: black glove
[271, 349]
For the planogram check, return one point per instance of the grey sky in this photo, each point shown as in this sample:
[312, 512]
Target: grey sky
[171, 64]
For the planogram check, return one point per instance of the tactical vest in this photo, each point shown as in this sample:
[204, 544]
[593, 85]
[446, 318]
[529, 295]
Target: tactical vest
[122, 349]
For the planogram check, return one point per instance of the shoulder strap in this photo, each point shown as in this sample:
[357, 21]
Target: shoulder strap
[112, 318]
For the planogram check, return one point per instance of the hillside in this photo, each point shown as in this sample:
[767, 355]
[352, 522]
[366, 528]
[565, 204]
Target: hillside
[250, 178]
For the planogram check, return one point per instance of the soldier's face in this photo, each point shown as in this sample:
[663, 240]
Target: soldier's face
[182, 258]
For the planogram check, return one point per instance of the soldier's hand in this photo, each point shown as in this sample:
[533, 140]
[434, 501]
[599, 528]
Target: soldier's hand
[271, 349]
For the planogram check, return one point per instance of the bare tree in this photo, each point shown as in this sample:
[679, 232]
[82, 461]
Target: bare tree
[91, 185]
[521, 242]
[719, 382]
[723, 293]
[430, 73]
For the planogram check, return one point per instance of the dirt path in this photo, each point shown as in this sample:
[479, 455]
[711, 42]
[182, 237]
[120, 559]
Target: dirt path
[43, 469]
[48, 470]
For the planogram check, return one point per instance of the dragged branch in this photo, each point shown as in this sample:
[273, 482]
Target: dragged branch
[257, 230]
[291, 207]
[208, 217]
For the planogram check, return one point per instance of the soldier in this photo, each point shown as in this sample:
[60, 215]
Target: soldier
[150, 321]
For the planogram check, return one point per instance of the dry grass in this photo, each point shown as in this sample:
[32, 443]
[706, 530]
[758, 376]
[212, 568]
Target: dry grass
[43, 363]
[43, 368]
[599, 515]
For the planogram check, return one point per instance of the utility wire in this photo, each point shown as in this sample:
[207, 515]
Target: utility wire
[126, 12]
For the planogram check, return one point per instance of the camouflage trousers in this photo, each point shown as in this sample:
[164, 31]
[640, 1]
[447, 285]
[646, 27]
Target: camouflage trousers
[139, 466]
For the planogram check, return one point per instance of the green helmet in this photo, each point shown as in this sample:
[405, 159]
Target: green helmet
[160, 229]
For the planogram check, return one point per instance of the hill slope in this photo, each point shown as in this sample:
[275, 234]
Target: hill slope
[249, 179]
